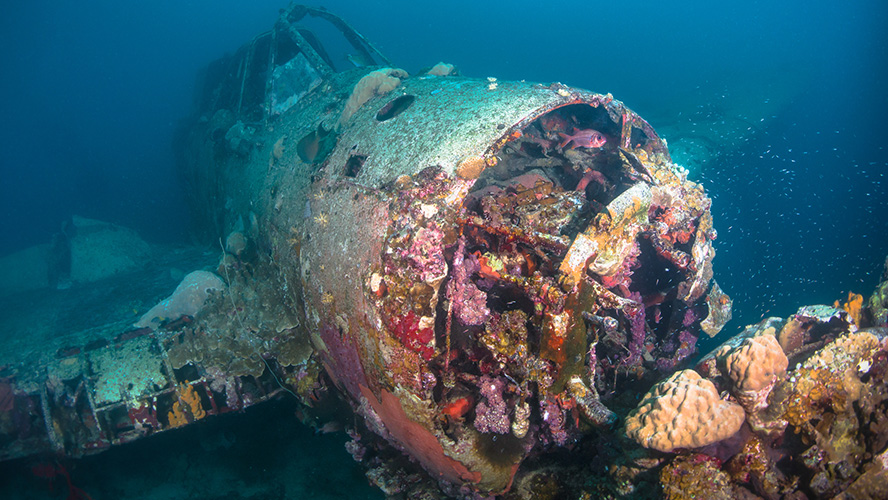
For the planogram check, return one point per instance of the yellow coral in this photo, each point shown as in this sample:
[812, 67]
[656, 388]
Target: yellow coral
[815, 388]
[695, 476]
[829, 378]
[187, 405]
[852, 306]
[176, 416]
[277, 152]
[321, 220]
[471, 167]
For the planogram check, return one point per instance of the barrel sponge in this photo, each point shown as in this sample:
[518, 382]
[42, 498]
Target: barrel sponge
[379, 82]
[188, 298]
[683, 411]
[755, 364]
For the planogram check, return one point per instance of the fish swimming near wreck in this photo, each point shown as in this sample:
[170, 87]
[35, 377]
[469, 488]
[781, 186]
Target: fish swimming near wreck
[586, 138]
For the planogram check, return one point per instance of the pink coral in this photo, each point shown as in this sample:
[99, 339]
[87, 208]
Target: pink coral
[623, 275]
[637, 329]
[554, 419]
[354, 447]
[471, 307]
[469, 303]
[491, 415]
[426, 253]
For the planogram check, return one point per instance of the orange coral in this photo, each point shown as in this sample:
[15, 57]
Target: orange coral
[187, 408]
[176, 416]
[457, 408]
[852, 306]
[694, 476]
[471, 167]
[486, 271]
[819, 388]
[667, 217]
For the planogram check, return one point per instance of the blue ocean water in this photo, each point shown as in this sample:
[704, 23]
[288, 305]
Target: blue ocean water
[91, 93]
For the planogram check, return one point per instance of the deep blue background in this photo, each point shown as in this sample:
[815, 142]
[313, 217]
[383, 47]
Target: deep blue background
[90, 94]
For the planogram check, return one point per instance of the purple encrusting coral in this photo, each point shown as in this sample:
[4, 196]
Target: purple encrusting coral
[689, 318]
[354, 447]
[554, 419]
[342, 355]
[426, 252]
[491, 415]
[680, 348]
[468, 302]
[637, 333]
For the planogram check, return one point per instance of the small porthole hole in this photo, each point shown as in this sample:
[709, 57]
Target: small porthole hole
[395, 107]
[354, 164]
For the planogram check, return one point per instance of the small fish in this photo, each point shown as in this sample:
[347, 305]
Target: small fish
[358, 60]
[586, 138]
[329, 427]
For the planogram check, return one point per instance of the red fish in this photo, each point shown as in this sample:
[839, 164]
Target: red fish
[586, 138]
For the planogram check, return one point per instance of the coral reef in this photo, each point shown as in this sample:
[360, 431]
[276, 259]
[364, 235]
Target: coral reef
[695, 476]
[815, 430]
[481, 298]
[683, 411]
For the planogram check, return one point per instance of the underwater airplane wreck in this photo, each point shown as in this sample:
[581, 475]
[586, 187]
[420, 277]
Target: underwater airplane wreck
[480, 278]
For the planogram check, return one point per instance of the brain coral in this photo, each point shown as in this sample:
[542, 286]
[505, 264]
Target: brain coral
[753, 367]
[683, 411]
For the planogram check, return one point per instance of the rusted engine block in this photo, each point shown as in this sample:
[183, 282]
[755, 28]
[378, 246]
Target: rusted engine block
[479, 266]
[476, 280]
